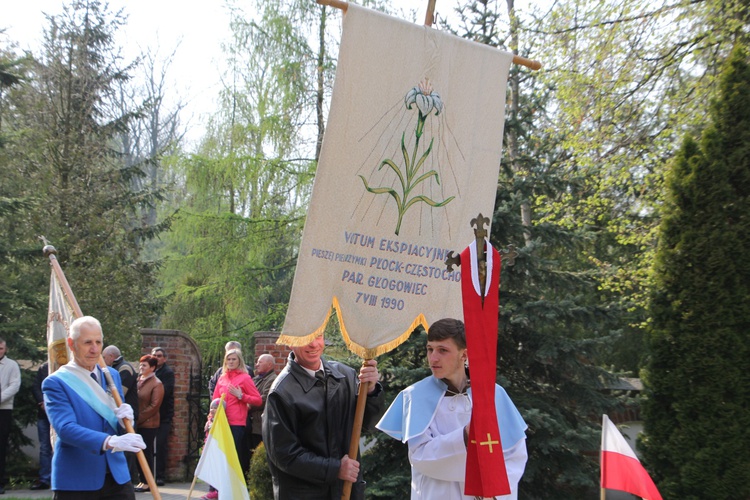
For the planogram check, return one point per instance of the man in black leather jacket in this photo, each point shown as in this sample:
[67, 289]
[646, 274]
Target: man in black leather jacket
[308, 421]
[164, 373]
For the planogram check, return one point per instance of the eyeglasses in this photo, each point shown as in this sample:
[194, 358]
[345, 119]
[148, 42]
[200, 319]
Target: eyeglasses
[158, 355]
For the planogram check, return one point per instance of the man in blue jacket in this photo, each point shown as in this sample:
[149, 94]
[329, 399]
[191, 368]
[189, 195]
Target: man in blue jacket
[88, 462]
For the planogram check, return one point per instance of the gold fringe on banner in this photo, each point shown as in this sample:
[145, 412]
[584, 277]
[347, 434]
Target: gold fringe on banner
[362, 352]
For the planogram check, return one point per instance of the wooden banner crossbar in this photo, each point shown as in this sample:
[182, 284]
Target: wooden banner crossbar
[522, 61]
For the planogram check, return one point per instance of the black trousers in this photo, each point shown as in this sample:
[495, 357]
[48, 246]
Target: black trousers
[110, 491]
[162, 450]
[255, 440]
[6, 419]
[133, 467]
[149, 437]
[244, 452]
[238, 434]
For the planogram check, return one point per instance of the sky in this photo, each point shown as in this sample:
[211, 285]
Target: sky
[193, 30]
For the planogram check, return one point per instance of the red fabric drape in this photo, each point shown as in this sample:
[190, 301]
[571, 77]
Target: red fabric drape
[486, 475]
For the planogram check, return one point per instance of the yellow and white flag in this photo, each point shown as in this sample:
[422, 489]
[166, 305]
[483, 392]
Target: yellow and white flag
[219, 465]
[59, 317]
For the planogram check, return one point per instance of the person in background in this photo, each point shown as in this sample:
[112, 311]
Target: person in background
[244, 455]
[88, 463]
[308, 421]
[150, 397]
[164, 373]
[432, 416]
[239, 392]
[232, 344]
[43, 431]
[10, 382]
[264, 368]
[129, 377]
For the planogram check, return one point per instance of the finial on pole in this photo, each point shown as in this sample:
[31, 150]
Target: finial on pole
[509, 255]
[48, 249]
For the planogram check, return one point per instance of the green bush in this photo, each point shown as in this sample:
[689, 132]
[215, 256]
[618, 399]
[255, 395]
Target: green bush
[261, 483]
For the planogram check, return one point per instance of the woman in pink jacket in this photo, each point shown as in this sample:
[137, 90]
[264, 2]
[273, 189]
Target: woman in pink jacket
[239, 393]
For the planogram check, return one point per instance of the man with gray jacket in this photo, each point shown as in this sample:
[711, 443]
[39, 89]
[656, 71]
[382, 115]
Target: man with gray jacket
[10, 382]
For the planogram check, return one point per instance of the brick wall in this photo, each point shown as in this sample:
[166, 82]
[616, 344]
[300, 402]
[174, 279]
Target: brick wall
[265, 343]
[185, 359]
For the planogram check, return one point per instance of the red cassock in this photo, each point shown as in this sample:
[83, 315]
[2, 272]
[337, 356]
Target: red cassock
[485, 467]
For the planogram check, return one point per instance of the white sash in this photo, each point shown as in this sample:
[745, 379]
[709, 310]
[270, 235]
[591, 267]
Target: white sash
[79, 379]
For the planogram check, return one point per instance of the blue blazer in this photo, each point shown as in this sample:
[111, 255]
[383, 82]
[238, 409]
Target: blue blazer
[79, 463]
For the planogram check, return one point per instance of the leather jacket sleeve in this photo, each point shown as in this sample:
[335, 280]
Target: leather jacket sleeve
[281, 430]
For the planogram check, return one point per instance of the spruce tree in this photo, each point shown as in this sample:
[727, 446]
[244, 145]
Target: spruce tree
[65, 159]
[697, 424]
[552, 319]
[19, 298]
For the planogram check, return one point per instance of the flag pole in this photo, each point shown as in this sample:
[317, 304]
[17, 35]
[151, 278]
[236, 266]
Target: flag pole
[603, 492]
[359, 417]
[429, 16]
[521, 61]
[50, 252]
[192, 485]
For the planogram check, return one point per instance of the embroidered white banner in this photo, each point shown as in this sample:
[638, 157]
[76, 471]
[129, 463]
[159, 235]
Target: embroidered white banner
[411, 154]
[59, 317]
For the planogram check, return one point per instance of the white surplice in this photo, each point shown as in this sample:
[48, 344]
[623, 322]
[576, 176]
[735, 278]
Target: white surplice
[438, 456]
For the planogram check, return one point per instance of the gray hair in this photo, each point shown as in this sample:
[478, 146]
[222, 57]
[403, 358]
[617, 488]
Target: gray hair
[266, 357]
[232, 344]
[75, 326]
[113, 350]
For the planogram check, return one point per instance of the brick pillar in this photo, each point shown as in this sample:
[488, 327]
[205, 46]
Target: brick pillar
[265, 343]
[185, 359]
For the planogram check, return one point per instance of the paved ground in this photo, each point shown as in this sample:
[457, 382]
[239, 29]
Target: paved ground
[171, 491]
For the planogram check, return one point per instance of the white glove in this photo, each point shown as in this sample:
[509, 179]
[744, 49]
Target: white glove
[124, 411]
[127, 442]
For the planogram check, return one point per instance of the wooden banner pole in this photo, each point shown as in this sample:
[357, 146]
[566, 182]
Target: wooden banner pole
[49, 251]
[521, 61]
[359, 416]
[429, 16]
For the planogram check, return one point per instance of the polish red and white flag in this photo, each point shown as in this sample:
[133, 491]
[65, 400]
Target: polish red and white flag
[620, 467]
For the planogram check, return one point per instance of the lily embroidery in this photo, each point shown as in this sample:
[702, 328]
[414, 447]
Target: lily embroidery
[409, 176]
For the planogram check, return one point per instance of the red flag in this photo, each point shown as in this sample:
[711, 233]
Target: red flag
[620, 468]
